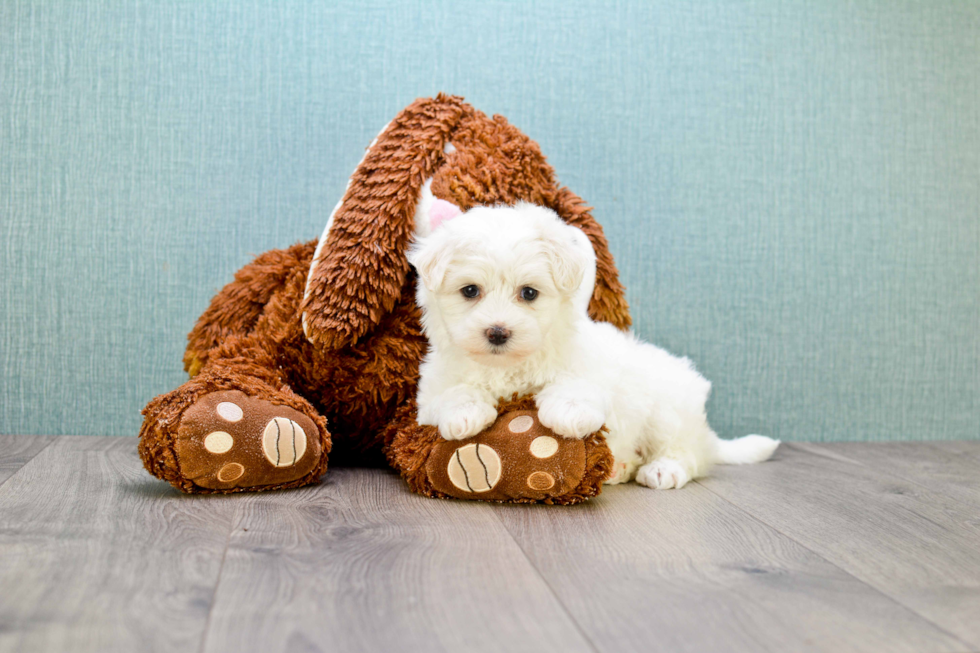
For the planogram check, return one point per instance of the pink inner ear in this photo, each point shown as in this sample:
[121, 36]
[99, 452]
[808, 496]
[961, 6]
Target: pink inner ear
[440, 211]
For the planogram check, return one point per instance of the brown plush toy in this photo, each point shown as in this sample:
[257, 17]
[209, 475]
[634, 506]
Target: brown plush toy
[318, 346]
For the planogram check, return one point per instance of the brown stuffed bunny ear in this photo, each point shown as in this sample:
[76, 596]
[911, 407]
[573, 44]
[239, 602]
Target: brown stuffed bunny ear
[360, 265]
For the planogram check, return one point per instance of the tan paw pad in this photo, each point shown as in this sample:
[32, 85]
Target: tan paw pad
[474, 468]
[230, 472]
[543, 446]
[230, 412]
[283, 442]
[218, 442]
[540, 481]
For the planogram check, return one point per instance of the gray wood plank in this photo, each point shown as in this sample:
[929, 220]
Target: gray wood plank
[17, 450]
[642, 570]
[95, 555]
[914, 545]
[360, 564]
[950, 467]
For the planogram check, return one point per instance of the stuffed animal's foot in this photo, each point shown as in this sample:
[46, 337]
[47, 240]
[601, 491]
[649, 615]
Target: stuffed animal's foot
[229, 441]
[516, 458]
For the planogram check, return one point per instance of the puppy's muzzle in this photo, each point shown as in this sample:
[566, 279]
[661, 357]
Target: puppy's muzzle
[497, 335]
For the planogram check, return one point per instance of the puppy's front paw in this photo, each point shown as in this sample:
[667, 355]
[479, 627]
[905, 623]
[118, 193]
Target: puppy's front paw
[663, 474]
[570, 418]
[466, 420]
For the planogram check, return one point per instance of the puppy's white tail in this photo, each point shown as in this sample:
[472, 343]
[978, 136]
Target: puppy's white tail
[744, 450]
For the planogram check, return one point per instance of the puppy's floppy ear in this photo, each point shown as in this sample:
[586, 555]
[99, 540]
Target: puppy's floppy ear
[570, 261]
[607, 301]
[431, 257]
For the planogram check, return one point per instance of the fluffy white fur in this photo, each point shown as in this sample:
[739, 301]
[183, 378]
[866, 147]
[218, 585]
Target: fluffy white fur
[584, 374]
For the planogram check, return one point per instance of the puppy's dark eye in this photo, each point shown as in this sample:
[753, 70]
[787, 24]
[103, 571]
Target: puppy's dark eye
[529, 294]
[470, 292]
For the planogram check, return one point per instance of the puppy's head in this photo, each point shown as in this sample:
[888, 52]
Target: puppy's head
[501, 283]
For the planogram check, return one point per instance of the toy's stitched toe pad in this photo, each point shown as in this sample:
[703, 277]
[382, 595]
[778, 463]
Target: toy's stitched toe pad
[228, 439]
[515, 458]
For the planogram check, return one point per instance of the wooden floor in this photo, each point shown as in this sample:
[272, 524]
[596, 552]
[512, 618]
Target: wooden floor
[834, 547]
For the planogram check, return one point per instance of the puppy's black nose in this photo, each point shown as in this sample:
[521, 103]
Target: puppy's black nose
[497, 335]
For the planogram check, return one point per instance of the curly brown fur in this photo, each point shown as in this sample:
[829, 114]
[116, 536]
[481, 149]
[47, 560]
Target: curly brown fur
[355, 365]
[372, 229]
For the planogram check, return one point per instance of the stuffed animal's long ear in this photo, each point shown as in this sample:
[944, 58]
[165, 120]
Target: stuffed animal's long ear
[608, 302]
[360, 265]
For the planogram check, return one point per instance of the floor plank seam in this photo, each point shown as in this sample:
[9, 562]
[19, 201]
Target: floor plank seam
[28, 461]
[836, 566]
[807, 449]
[217, 585]
[578, 626]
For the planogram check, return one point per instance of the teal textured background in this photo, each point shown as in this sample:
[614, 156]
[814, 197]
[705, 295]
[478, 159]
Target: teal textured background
[791, 189]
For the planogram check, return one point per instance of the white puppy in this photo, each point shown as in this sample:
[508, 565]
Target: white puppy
[504, 293]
